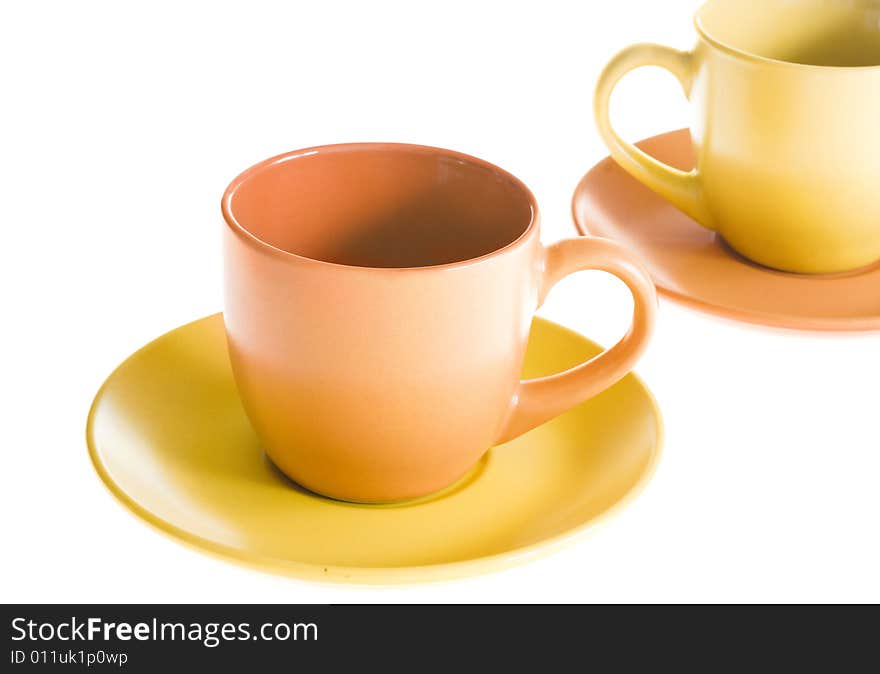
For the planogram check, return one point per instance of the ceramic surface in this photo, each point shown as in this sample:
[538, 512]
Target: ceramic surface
[378, 302]
[786, 98]
[168, 435]
[692, 265]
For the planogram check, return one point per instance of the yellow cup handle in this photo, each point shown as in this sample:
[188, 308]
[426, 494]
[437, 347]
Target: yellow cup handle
[538, 400]
[681, 188]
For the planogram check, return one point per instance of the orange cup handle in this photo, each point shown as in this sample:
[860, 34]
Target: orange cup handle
[539, 400]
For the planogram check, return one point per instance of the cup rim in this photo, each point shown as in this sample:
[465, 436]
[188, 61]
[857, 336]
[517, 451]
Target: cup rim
[250, 239]
[742, 54]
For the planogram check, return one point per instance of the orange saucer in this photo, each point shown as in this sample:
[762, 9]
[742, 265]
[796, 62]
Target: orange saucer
[694, 266]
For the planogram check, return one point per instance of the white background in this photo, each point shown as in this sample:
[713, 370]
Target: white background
[121, 124]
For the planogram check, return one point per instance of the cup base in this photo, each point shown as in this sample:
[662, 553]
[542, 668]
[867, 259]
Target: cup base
[470, 476]
[856, 271]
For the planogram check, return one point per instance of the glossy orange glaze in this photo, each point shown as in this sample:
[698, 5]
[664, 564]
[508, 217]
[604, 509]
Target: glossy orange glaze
[378, 302]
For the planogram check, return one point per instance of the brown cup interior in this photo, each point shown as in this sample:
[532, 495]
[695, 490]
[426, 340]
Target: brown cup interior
[381, 205]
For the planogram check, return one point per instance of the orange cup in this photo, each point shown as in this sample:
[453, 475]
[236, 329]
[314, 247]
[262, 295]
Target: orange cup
[378, 299]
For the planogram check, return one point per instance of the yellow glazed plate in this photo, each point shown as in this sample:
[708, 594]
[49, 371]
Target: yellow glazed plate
[168, 436]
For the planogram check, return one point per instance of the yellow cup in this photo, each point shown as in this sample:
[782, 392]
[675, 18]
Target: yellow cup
[786, 96]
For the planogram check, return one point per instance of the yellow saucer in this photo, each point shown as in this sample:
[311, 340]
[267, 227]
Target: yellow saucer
[168, 436]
